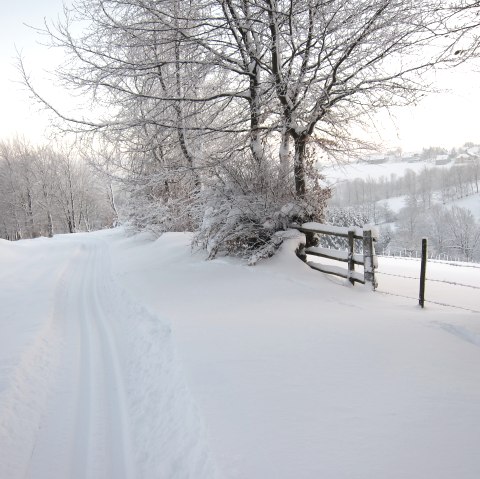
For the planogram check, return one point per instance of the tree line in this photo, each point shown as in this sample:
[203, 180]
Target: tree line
[428, 186]
[452, 231]
[44, 191]
[426, 210]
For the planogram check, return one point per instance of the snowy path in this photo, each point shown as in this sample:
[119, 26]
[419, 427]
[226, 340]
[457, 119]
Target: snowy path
[80, 395]
[294, 374]
[94, 424]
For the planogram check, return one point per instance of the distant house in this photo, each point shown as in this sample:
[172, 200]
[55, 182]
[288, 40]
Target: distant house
[473, 151]
[410, 157]
[442, 159]
[377, 159]
[464, 158]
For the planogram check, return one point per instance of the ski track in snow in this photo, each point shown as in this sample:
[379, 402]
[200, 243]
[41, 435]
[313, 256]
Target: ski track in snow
[85, 401]
[92, 382]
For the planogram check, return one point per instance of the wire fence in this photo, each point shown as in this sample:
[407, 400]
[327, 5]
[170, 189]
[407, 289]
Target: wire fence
[414, 254]
[450, 262]
[429, 301]
[453, 283]
[432, 280]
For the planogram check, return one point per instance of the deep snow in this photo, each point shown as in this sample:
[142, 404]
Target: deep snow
[125, 356]
[92, 387]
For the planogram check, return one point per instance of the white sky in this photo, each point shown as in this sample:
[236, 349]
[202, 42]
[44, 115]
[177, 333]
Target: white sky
[18, 115]
[448, 119]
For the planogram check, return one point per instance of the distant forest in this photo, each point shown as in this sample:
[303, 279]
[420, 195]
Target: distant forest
[428, 208]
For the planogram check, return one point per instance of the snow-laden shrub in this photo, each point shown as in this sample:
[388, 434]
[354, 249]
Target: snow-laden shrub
[246, 224]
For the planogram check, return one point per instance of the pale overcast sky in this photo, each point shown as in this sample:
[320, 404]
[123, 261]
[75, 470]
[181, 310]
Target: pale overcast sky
[447, 119]
[17, 114]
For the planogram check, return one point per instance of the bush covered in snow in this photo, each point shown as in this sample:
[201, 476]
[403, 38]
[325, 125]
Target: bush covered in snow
[245, 223]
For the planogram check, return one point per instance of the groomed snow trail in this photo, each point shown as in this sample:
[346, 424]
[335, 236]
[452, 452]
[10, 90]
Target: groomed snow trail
[99, 392]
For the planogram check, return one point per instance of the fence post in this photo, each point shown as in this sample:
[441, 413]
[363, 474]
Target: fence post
[368, 259]
[423, 269]
[351, 263]
[301, 253]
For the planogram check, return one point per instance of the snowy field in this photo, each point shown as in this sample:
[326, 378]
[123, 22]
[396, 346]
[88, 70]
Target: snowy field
[365, 170]
[129, 358]
[471, 203]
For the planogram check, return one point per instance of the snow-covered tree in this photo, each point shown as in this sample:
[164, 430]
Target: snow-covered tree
[214, 112]
[43, 191]
[463, 233]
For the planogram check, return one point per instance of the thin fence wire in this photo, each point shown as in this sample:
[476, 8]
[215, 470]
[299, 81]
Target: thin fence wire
[431, 257]
[450, 262]
[429, 301]
[396, 275]
[452, 306]
[453, 283]
[395, 294]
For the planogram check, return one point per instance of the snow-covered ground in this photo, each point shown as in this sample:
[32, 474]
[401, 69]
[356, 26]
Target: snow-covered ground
[395, 204]
[471, 203]
[365, 170]
[126, 357]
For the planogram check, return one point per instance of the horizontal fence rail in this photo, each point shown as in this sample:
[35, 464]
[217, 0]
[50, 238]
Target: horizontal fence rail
[367, 259]
[341, 231]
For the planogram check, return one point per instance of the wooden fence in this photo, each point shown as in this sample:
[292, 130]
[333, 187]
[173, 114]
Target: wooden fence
[367, 259]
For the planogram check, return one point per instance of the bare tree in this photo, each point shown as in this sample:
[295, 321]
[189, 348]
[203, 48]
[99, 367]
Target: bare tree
[463, 232]
[43, 191]
[221, 106]
[45, 171]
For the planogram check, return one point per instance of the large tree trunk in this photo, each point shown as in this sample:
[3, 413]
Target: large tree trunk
[180, 119]
[255, 137]
[299, 164]
[284, 156]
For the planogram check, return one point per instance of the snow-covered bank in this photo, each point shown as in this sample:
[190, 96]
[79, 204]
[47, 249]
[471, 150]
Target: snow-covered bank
[143, 360]
[92, 385]
[299, 376]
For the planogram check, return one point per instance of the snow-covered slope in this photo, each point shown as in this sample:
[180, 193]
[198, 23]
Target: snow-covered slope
[471, 203]
[125, 357]
[365, 170]
[368, 171]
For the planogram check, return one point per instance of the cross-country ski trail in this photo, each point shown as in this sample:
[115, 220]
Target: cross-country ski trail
[98, 391]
